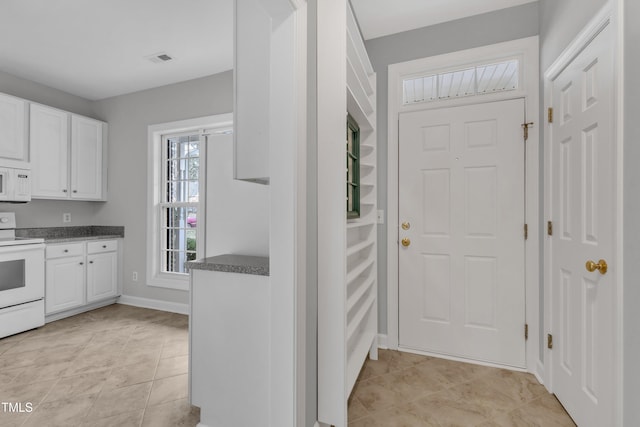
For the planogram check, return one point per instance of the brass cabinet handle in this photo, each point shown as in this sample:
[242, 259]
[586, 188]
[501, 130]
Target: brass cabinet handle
[406, 242]
[601, 266]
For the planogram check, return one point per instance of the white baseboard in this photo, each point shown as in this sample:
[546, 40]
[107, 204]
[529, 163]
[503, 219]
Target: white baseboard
[382, 341]
[539, 374]
[155, 304]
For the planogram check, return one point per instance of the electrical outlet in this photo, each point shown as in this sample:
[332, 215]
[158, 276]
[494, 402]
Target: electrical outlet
[134, 276]
[380, 216]
[66, 217]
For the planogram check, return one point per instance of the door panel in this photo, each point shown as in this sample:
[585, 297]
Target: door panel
[583, 209]
[462, 197]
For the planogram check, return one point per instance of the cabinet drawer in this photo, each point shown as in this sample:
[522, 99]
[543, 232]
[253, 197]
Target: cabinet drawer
[67, 249]
[102, 246]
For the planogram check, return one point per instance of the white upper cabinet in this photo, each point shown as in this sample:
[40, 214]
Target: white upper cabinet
[13, 140]
[67, 155]
[49, 145]
[86, 158]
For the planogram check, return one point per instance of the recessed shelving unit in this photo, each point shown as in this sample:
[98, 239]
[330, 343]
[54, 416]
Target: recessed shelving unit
[348, 315]
[361, 288]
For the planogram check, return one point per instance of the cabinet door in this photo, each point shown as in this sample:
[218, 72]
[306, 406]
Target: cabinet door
[49, 145]
[102, 276]
[64, 283]
[86, 158]
[13, 143]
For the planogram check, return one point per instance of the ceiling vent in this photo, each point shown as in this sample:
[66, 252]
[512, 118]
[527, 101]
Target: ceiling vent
[159, 58]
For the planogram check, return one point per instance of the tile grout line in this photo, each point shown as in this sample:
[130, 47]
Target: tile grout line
[99, 394]
[144, 412]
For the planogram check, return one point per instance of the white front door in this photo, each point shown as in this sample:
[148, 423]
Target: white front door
[582, 210]
[461, 207]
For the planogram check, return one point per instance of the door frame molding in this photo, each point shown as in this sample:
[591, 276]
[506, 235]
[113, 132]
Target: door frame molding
[607, 16]
[527, 49]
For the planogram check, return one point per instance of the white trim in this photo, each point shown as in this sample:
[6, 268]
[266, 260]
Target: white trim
[619, 76]
[539, 372]
[610, 14]
[155, 304]
[527, 49]
[300, 289]
[287, 260]
[586, 36]
[382, 341]
[462, 359]
[78, 310]
[155, 132]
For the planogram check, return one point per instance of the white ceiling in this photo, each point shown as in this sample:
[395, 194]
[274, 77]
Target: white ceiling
[379, 18]
[96, 48]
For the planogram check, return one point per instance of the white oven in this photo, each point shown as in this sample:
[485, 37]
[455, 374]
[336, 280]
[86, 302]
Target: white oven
[21, 279]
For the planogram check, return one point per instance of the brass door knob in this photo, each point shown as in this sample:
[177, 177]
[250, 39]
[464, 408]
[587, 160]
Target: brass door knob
[406, 242]
[601, 266]
[406, 225]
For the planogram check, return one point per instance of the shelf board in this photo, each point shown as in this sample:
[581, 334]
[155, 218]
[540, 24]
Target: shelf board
[354, 31]
[358, 66]
[360, 94]
[356, 358]
[352, 326]
[365, 122]
[360, 246]
[359, 224]
[359, 269]
[365, 285]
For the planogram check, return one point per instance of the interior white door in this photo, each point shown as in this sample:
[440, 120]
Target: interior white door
[583, 209]
[461, 198]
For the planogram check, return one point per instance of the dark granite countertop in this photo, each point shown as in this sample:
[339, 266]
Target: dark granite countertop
[72, 233]
[242, 264]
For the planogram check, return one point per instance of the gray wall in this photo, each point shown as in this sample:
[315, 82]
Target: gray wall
[480, 30]
[560, 23]
[631, 216]
[129, 117]
[48, 213]
[237, 211]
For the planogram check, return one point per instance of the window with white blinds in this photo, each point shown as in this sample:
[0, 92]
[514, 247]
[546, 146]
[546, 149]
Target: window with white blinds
[471, 81]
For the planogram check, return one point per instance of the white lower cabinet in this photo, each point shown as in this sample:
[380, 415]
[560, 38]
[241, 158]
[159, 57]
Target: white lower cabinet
[64, 283]
[79, 274]
[102, 276]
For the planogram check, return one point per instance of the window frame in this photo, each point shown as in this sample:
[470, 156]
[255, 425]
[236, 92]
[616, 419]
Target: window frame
[352, 126]
[164, 204]
[155, 276]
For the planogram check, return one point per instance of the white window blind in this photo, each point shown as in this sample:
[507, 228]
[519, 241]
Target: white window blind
[478, 80]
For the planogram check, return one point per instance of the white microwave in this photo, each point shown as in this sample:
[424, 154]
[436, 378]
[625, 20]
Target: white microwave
[15, 185]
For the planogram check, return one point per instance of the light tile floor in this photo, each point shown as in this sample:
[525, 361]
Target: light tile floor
[124, 366]
[408, 390]
[116, 366]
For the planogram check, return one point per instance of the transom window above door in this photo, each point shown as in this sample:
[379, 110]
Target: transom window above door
[470, 81]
